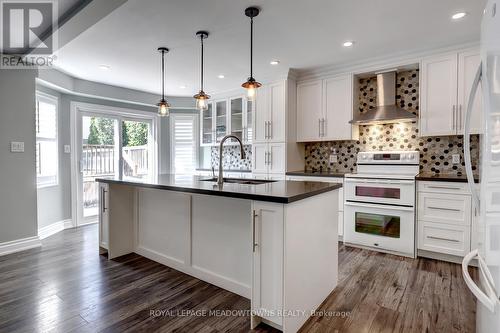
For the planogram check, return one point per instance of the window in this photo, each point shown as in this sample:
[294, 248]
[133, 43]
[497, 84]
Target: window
[183, 138]
[46, 157]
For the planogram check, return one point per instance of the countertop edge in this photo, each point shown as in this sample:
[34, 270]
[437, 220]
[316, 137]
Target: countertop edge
[257, 197]
[314, 174]
[450, 179]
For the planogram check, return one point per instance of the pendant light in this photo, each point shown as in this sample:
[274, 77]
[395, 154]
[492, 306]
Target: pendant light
[201, 97]
[163, 105]
[251, 83]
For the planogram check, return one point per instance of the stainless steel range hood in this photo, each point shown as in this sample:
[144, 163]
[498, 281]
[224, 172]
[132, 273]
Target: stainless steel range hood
[387, 111]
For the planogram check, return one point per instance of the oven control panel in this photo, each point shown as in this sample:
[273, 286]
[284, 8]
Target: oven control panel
[388, 157]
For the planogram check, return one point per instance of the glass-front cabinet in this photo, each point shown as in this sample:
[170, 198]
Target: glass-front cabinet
[232, 115]
[220, 120]
[237, 120]
[207, 127]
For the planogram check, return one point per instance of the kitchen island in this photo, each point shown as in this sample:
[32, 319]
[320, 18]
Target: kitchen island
[274, 242]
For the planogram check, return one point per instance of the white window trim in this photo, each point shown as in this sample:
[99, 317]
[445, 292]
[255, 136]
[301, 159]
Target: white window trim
[46, 182]
[196, 132]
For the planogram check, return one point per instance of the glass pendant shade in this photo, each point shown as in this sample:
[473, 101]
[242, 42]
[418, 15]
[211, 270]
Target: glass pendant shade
[201, 100]
[163, 108]
[251, 86]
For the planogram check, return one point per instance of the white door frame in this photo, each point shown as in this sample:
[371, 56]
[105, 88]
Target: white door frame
[77, 110]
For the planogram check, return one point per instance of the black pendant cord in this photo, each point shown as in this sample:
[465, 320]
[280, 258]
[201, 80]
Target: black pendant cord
[162, 75]
[201, 62]
[251, 47]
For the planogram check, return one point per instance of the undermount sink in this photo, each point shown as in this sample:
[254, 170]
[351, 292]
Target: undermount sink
[244, 181]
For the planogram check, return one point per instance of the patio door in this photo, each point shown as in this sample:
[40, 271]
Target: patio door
[109, 145]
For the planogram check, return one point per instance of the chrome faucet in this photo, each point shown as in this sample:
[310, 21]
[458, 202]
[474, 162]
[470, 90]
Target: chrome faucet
[220, 179]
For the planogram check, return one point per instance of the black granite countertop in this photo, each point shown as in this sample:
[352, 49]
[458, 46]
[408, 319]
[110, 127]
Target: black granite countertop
[225, 170]
[279, 191]
[440, 177]
[315, 173]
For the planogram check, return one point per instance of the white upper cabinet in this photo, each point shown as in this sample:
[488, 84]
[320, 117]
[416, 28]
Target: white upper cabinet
[468, 63]
[309, 110]
[261, 115]
[270, 113]
[324, 109]
[445, 88]
[337, 108]
[438, 114]
[277, 112]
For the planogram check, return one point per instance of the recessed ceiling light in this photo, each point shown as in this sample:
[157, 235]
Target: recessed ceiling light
[459, 15]
[348, 43]
[275, 62]
[104, 67]
[221, 76]
[182, 87]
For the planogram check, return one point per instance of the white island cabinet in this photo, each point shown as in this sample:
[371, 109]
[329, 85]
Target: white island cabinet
[274, 243]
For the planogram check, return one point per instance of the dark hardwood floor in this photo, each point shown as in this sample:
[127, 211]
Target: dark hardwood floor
[68, 287]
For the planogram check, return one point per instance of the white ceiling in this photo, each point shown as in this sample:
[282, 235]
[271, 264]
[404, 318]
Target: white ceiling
[301, 34]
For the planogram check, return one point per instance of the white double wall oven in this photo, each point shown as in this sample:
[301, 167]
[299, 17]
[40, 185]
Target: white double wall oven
[379, 208]
[108, 142]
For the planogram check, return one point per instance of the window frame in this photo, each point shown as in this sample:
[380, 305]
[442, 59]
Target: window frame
[196, 140]
[47, 181]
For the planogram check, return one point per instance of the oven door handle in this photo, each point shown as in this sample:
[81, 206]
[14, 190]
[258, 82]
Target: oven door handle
[380, 181]
[389, 207]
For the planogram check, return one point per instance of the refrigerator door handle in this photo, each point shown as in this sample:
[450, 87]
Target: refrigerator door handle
[488, 299]
[466, 130]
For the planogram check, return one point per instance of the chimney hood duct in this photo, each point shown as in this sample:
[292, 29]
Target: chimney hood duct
[387, 111]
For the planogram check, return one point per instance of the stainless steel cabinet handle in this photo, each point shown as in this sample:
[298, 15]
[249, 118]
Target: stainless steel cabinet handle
[444, 239]
[319, 127]
[265, 158]
[270, 158]
[254, 243]
[270, 129]
[103, 204]
[443, 187]
[444, 208]
[265, 130]
[323, 127]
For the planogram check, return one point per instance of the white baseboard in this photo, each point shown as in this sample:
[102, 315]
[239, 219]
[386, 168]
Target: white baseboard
[54, 228]
[19, 245]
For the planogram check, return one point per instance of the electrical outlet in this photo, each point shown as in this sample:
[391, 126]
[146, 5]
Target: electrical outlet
[67, 149]
[333, 158]
[17, 147]
[455, 159]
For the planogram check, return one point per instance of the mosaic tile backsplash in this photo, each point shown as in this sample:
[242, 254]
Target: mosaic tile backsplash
[231, 159]
[435, 152]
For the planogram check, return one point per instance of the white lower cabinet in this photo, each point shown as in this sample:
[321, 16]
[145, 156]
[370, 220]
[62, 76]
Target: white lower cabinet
[267, 291]
[295, 259]
[268, 158]
[103, 215]
[444, 218]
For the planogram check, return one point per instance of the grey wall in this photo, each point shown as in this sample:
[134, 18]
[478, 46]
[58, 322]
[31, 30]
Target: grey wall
[17, 170]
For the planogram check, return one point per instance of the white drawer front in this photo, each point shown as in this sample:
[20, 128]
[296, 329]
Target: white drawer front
[443, 187]
[444, 208]
[442, 238]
